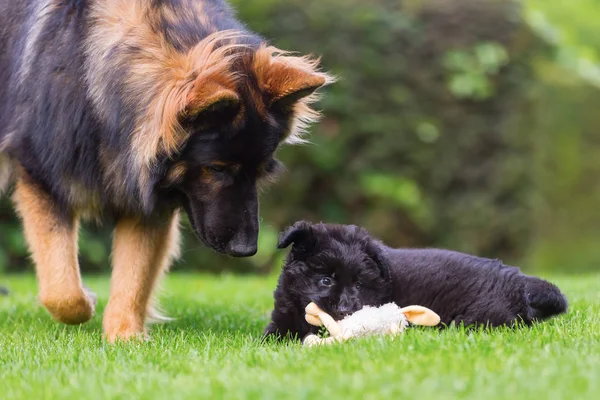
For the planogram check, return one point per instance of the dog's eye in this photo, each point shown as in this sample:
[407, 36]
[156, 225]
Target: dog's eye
[358, 285]
[217, 168]
[273, 167]
[326, 282]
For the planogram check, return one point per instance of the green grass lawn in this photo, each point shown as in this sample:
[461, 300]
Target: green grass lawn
[211, 350]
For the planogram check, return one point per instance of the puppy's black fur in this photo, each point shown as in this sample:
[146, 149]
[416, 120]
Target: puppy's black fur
[342, 268]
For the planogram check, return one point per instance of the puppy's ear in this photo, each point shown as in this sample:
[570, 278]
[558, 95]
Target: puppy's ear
[375, 252]
[300, 234]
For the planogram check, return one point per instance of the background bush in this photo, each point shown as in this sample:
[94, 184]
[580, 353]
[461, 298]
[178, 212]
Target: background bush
[465, 124]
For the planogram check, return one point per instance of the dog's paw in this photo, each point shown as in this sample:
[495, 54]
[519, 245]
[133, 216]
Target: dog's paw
[91, 296]
[125, 335]
[71, 308]
[123, 325]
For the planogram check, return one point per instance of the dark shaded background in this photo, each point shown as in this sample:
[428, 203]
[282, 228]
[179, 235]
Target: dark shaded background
[465, 124]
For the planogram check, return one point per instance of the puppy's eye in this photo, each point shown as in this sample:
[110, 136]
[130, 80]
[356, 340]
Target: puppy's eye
[358, 285]
[326, 281]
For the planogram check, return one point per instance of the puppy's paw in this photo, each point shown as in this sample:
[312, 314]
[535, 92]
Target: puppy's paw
[70, 308]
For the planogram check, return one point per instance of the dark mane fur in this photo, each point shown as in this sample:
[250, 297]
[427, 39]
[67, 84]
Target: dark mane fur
[90, 105]
[47, 121]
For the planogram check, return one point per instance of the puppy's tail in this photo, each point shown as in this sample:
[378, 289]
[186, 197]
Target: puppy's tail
[545, 299]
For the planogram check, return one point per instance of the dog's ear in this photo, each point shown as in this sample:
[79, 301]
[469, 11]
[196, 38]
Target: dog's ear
[209, 102]
[375, 252]
[286, 79]
[293, 86]
[301, 234]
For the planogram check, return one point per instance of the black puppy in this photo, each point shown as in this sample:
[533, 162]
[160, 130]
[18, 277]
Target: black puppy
[342, 268]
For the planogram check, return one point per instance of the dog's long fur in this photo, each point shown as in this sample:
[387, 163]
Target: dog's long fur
[129, 110]
[461, 288]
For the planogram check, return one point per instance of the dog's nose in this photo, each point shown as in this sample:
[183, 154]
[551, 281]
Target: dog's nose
[241, 249]
[244, 242]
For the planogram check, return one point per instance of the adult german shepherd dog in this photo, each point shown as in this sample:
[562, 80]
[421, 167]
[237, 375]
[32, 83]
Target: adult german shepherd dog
[131, 110]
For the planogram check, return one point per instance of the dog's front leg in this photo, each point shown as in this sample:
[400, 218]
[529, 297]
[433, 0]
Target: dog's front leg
[52, 239]
[142, 251]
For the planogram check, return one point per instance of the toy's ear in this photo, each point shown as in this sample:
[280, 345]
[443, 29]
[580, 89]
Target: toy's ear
[317, 317]
[311, 319]
[300, 233]
[418, 315]
[312, 340]
[312, 309]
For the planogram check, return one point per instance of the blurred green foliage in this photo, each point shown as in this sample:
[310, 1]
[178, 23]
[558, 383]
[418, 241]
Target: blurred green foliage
[471, 70]
[567, 220]
[465, 124]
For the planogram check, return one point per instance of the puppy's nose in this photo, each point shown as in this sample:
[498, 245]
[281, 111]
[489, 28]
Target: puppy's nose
[344, 311]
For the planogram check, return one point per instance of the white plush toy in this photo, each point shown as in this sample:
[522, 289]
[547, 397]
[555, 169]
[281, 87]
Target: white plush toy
[388, 319]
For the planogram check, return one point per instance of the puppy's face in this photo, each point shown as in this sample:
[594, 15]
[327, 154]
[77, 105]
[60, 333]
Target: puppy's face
[341, 268]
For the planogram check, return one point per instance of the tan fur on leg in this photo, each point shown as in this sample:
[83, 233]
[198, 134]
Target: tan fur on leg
[141, 253]
[53, 245]
[154, 313]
